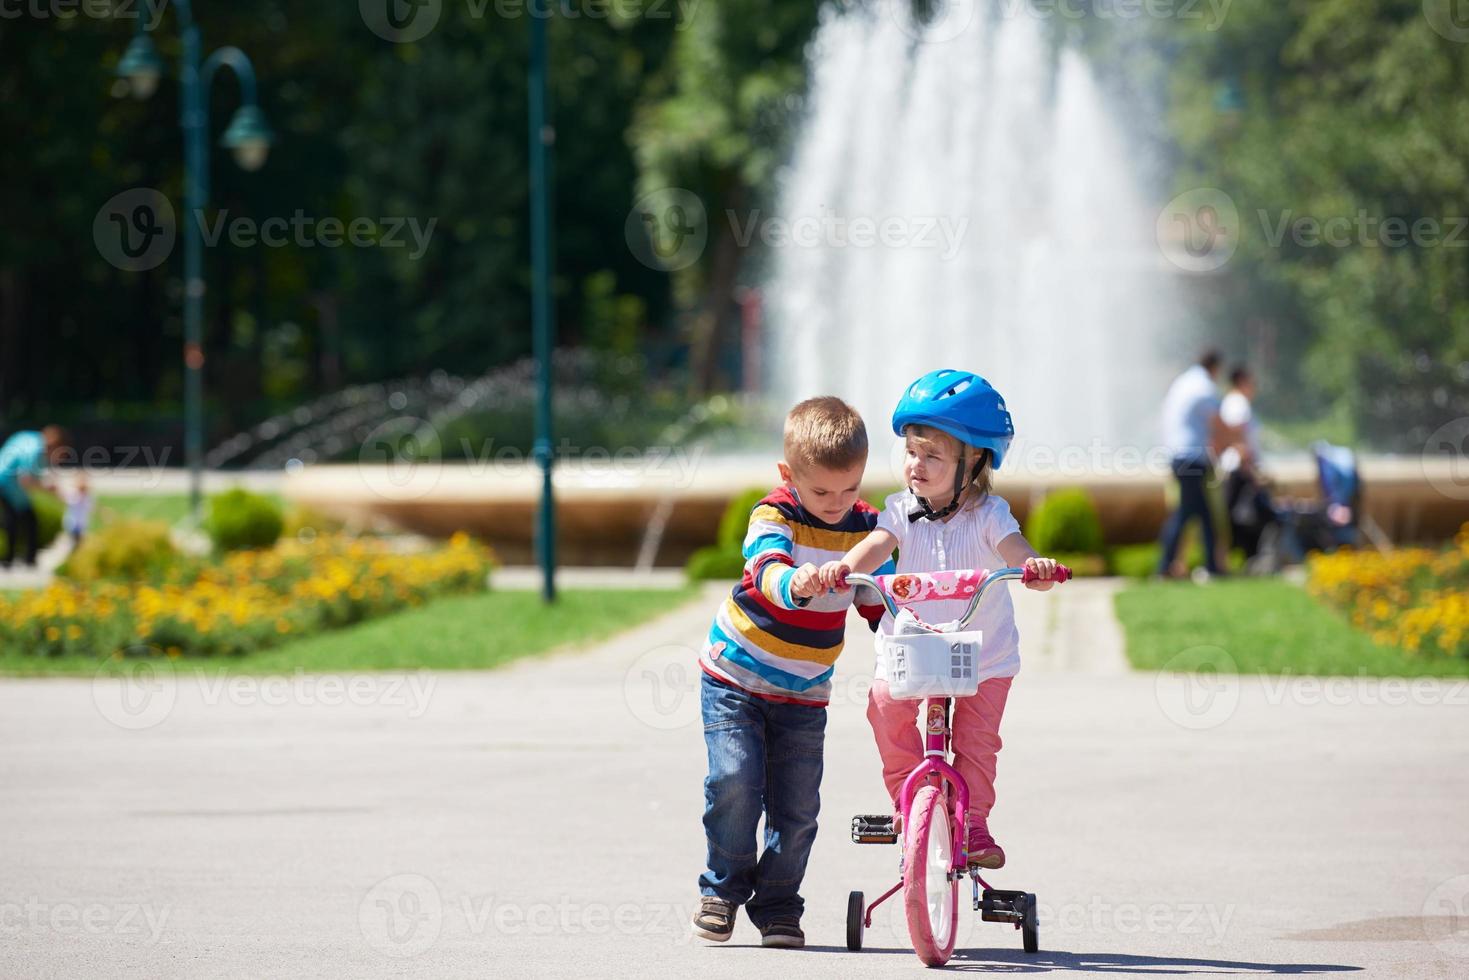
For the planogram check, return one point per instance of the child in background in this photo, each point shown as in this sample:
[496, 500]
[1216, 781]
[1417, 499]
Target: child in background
[78, 515]
[767, 669]
[957, 432]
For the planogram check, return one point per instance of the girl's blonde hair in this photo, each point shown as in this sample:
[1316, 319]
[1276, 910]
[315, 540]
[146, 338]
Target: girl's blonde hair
[977, 488]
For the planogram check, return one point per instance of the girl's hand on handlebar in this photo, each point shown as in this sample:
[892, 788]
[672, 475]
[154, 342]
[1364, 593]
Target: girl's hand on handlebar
[834, 575]
[1044, 569]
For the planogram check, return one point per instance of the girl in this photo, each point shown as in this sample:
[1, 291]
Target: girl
[957, 432]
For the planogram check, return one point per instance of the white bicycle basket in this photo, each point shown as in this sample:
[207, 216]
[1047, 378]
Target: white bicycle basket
[931, 665]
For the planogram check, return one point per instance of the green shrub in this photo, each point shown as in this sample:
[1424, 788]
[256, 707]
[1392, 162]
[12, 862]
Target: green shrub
[736, 520]
[1138, 561]
[128, 549]
[303, 521]
[1065, 521]
[725, 558]
[240, 519]
[715, 563]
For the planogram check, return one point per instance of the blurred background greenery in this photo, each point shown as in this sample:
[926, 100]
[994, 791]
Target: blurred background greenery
[1319, 107]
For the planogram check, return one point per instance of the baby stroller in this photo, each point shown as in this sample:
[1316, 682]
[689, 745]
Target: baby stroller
[1302, 526]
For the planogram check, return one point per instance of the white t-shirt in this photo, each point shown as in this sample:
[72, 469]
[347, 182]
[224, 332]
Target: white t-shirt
[1235, 410]
[1191, 400]
[968, 539]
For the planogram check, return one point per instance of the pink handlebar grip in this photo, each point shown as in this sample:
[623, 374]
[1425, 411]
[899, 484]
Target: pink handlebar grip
[1062, 574]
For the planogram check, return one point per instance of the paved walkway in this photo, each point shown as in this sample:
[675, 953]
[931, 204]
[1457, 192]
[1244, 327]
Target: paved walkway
[543, 820]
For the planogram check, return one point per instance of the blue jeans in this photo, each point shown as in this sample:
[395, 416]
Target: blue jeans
[1191, 473]
[763, 757]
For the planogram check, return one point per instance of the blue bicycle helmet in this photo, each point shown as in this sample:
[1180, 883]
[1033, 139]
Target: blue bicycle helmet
[965, 406]
[962, 404]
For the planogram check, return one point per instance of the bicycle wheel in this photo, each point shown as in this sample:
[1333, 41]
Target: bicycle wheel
[930, 896]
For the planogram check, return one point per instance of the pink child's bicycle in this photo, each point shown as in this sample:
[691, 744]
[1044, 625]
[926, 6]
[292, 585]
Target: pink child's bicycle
[936, 667]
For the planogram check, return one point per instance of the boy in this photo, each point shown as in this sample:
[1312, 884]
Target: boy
[767, 669]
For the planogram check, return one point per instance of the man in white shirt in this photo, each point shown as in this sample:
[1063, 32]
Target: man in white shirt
[1245, 494]
[1194, 434]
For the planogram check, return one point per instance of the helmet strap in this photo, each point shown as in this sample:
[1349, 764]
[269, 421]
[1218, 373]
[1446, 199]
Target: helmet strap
[925, 510]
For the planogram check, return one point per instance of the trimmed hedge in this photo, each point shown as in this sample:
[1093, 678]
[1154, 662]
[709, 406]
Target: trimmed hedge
[725, 559]
[1065, 522]
[129, 550]
[239, 519]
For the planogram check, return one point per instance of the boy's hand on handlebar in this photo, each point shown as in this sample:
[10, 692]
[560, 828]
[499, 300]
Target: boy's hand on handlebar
[806, 583]
[1044, 569]
[834, 575]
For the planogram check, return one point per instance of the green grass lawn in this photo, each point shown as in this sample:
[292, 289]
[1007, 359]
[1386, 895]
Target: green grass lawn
[1267, 626]
[452, 633]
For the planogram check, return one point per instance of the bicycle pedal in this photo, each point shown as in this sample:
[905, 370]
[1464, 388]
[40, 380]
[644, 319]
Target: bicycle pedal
[874, 829]
[1000, 906]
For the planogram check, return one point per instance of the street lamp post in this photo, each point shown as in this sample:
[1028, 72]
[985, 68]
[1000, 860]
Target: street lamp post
[249, 137]
[542, 136]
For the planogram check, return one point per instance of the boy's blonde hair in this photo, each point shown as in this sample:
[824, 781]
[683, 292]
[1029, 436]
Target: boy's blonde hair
[967, 455]
[825, 432]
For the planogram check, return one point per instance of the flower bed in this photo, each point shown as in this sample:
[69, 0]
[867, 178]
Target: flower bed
[246, 601]
[1415, 599]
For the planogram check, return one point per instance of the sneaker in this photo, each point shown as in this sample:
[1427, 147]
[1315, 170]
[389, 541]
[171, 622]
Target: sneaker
[783, 932]
[982, 850]
[715, 919]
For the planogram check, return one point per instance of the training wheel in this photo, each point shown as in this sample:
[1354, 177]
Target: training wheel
[856, 921]
[1030, 924]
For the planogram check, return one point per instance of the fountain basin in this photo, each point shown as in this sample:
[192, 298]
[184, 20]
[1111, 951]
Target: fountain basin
[604, 512]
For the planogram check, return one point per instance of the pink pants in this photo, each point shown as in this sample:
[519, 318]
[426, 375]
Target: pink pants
[976, 740]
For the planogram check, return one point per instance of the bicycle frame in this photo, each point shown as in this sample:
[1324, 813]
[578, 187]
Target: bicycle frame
[936, 712]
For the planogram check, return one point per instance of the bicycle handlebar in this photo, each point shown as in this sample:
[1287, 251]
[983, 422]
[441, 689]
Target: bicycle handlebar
[923, 587]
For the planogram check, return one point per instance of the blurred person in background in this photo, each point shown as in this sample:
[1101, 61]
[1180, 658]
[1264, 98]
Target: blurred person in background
[1246, 488]
[1194, 435]
[78, 517]
[23, 459]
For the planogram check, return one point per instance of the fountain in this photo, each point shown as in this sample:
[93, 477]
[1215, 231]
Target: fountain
[1020, 246]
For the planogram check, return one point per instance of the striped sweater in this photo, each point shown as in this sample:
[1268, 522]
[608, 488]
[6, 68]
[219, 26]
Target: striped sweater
[765, 641]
